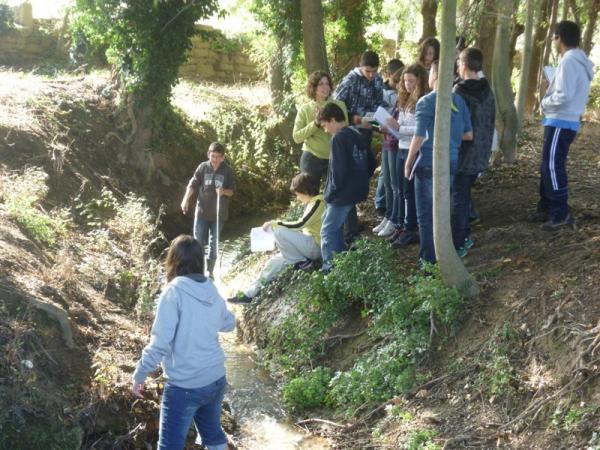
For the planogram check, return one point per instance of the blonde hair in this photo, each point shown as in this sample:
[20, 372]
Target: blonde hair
[407, 101]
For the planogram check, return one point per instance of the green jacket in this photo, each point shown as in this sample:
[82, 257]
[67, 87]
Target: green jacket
[310, 223]
[314, 139]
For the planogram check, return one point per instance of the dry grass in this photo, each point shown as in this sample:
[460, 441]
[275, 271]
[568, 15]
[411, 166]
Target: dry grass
[198, 98]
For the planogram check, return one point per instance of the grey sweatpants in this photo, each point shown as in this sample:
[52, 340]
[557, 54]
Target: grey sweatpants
[294, 246]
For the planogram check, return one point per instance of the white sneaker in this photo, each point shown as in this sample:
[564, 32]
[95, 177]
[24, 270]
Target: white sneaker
[388, 230]
[380, 227]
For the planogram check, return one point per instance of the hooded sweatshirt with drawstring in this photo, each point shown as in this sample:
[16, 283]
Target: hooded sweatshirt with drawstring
[568, 92]
[185, 334]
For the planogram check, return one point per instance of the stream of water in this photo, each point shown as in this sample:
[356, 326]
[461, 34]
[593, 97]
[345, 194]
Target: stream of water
[253, 395]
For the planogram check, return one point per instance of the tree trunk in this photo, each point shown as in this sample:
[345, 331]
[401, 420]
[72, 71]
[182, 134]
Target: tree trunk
[428, 12]
[506, 111]
[451, 266]
[517, 30]
[347, 50]
[576, 10]
[525, 62]
[536, 54]
[588, 34]
[564, 15]
[486, 35]
[547, 51]
[315, 52]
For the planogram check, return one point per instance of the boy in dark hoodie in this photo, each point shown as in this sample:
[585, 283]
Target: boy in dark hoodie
[473, 156]
[351, 164]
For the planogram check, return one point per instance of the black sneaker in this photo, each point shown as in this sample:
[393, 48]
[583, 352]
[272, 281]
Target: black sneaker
[405, 239]
[240, 299]
[305, 265]
[538, 216]
[396, 234]
[568, 221]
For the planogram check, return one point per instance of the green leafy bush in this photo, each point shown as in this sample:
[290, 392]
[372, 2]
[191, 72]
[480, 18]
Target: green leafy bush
[401, 313]
[307, 391]
[7, 19]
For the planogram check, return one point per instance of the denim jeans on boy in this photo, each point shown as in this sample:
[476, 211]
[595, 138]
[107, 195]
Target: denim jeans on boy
[424, 202]
[394, 204]
[181, 406]
[554, 191]
[461, 208]
[408, 193]
[380, 191]
[332, 231]
[205, 232]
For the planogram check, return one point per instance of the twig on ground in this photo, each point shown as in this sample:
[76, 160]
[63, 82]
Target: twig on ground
[314, 419]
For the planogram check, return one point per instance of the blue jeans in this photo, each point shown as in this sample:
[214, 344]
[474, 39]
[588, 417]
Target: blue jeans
[394, 210]
[202, 405]
[205, 232]
[461, 208]
[424, 202]
[380, 191]
[332, 231]
[554, 191]
[408, 193]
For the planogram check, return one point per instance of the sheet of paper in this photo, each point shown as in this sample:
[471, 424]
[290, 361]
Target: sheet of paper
[549, 72]
[261, 240]
[382, 116]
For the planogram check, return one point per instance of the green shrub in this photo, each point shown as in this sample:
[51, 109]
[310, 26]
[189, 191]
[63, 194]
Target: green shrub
[401, 313]
[307, 391]
[421, 440]
[7, 19]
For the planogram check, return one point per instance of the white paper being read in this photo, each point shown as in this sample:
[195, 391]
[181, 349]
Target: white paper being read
[261, 240]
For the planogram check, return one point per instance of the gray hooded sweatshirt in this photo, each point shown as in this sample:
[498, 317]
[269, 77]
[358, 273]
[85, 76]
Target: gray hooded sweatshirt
[185, 334]
[568, 92]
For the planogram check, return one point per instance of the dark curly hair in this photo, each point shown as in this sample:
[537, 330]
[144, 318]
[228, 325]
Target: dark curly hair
[313, 81]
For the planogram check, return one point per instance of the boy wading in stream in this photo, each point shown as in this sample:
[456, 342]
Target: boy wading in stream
[185, 341]
[214, 182]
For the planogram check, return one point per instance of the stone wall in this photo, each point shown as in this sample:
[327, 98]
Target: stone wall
[213, 57]
[27, 46]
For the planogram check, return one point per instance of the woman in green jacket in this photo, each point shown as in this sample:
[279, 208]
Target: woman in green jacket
[316, 144]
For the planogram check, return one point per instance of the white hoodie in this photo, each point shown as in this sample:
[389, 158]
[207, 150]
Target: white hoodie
[568, 92]
[185, 334]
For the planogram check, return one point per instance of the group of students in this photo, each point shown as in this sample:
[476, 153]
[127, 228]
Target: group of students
[336, 135]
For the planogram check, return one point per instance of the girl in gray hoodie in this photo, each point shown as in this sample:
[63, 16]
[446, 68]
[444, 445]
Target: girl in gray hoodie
[185, 341]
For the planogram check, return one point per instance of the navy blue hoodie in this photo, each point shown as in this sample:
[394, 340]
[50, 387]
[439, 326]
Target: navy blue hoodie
[351, 164]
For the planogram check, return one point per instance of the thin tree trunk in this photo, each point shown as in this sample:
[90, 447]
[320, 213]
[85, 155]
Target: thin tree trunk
[588, 34]
[576, 11]
[547, 51]
[525, 62]
[451, 266]
[315, 53]
[536, 54]
[517, 31]
[506, 111]
[428, 12]
[486, 35]
[564, 15]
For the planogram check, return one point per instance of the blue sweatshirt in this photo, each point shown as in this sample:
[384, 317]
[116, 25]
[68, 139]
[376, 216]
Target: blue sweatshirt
[568, 92]
[185, 334]
[460, 123]
[351, 164]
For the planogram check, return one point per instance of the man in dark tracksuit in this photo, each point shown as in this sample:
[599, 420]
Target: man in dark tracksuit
[562, 106]
[351, 165]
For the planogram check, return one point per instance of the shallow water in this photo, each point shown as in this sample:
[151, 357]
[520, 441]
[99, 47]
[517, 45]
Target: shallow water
[253, 395]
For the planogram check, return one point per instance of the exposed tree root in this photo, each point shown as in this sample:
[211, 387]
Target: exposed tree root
[58, 314]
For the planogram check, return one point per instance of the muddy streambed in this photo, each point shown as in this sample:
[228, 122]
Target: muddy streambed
[253, 395]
